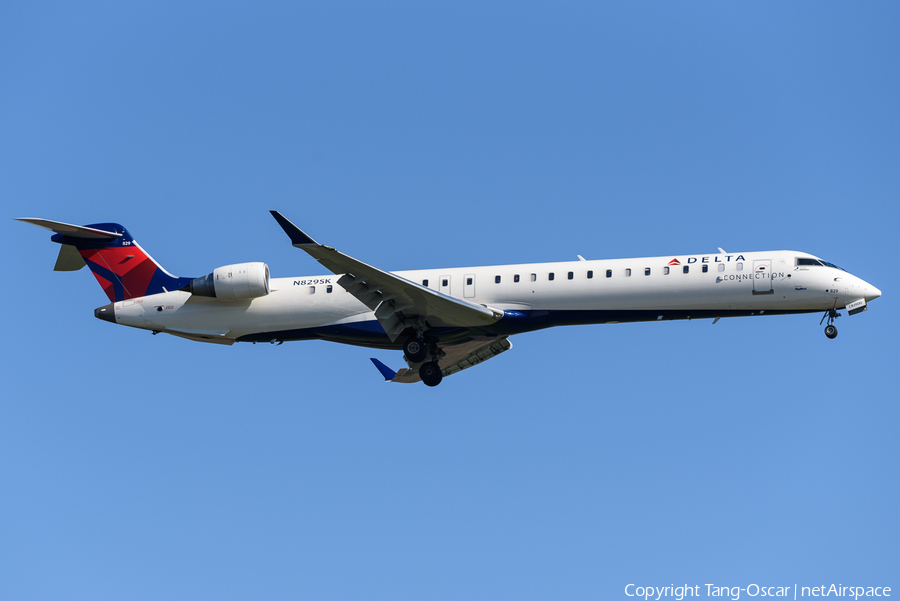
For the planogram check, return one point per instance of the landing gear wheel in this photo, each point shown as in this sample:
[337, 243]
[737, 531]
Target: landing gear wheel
[415, 350]
[830, 330]
[431, 373]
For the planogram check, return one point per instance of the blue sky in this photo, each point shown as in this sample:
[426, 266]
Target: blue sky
[417, 135]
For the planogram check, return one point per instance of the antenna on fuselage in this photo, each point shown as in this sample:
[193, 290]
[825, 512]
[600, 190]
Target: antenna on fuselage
[723, 251]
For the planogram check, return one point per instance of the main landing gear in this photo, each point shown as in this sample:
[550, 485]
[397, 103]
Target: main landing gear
[418, 348]
[415, 349]
[430, 372]
[830, 330]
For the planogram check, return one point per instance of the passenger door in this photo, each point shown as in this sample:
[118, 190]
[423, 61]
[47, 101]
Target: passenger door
[762, 277]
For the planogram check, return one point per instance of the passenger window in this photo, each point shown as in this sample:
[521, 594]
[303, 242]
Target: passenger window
[468, 281]
[740, 267]
[425, 283]
[312, 289]
[571, 275]
[533, 277]
[721, 266]
[496, 279]
[665, 271]
[686, 269]
[590, 275]
[551, 276]
[328, 289]
[646, 271]
[609, 273]
[628, 273]
[705, 268]
[516, 278]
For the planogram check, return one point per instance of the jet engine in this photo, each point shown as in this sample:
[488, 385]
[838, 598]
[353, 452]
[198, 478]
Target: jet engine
[233, 282]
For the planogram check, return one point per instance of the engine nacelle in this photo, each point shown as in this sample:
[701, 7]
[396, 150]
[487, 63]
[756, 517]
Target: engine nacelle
[234, 282]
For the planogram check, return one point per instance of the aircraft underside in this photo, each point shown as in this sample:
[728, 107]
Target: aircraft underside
[370, 334]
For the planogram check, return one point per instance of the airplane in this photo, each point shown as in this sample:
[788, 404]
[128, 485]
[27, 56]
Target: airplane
[445, 320]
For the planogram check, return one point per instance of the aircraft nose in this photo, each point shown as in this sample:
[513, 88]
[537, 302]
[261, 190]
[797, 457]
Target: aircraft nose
[869, 291]
[106, 313]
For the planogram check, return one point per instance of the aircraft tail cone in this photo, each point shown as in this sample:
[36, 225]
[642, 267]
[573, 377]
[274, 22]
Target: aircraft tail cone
[106, 313]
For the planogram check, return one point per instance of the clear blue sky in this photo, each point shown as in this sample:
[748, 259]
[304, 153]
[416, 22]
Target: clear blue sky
[413, 136]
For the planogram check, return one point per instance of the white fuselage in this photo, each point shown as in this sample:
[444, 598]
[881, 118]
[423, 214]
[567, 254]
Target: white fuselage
[531, 295]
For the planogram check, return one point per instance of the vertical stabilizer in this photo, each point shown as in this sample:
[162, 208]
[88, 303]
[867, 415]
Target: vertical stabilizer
[119, 263]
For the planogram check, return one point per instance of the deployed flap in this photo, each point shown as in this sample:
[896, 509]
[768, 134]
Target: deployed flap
[69, 259]
[468, 357]
[74, 231]
[459, 357]
[397, 302]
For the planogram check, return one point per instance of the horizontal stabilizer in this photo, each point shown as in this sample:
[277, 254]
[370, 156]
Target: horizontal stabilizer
[69, 259]
[73, 231]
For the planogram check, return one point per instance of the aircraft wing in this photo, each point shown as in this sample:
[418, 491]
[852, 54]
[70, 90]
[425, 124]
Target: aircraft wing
[454, 359]
[398, 303]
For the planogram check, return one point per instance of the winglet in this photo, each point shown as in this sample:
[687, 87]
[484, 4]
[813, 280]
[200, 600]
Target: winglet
[298, 238]
[388, 373]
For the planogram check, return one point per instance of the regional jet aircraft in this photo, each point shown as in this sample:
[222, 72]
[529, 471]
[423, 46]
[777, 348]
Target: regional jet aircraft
[444, 320]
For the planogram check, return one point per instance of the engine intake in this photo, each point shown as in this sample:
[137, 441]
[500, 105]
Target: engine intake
[233, 282]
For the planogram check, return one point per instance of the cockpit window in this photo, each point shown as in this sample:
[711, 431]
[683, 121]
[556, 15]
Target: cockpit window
[817, 263]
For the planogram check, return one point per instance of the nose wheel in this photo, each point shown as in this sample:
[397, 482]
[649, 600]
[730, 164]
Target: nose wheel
[830, 330]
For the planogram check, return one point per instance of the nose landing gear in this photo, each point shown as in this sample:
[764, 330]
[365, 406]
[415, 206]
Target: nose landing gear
[830, 330]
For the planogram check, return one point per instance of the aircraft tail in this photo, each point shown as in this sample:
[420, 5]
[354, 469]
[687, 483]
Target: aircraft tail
[120, 265]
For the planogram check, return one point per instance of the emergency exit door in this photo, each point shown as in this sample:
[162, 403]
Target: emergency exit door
[469, 288]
